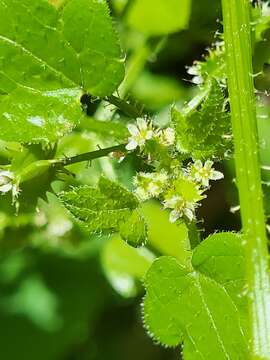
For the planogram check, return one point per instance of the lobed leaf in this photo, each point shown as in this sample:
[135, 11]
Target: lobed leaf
[202, 305]
[107, 208]
[182, 306]
[48, 57]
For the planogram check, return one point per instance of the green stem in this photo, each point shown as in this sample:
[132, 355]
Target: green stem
[134, 67]
[89, 156]
[236, 18]
[125, 107]
[37, 168]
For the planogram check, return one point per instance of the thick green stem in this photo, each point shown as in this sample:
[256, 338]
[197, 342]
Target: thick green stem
[236, 18]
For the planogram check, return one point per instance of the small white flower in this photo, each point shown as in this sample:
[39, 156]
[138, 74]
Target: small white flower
[203, 173]
[140, 133]
[180, 207]
[195, 70]
[149, 185]
[158, 183]
[167, 137]
[6, 181]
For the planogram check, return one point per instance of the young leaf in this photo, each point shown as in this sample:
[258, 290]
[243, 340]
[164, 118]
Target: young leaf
[190, 307]
[203, 128]
[45, 65]
[107, 208]
[159, 17]
[212, 67]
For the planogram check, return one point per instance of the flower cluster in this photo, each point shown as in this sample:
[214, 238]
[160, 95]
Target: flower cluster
[149, 185]
[180, 190]
[143, 131]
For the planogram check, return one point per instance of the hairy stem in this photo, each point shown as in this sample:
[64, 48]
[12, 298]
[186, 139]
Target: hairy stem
[92, 155]
[236, 18]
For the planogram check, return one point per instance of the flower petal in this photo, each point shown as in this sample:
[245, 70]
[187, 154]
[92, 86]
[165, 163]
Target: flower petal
[216, 175]
[132, 144]
[133, 129]
[142, 124]
[7, 173]
[198, 165]
[6, 188]
[174, 216]
[208, 164]
[205, 182]
[189, 214]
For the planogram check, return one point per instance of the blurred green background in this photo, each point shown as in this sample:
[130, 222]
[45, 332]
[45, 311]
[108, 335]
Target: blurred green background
[68, 296]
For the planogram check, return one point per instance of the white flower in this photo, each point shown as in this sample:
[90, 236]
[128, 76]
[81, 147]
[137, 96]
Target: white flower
[180, 207]
[140, 133]
[150, 185]
[195, 70]
[203, 173]
[167, 137]
[6, 181]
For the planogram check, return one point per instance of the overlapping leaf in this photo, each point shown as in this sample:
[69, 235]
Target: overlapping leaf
[203, 128]
[48, 57]
[198, 306]
[107, 208]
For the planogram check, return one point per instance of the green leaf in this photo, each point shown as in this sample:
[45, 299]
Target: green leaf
[165, 237]
[203, 128]
[48, 58]
[107, 208]
[212, 67]
[182, 306]
[159, 17]
[39, 116]
[221, 256]
[125, 266]
[111, 130]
